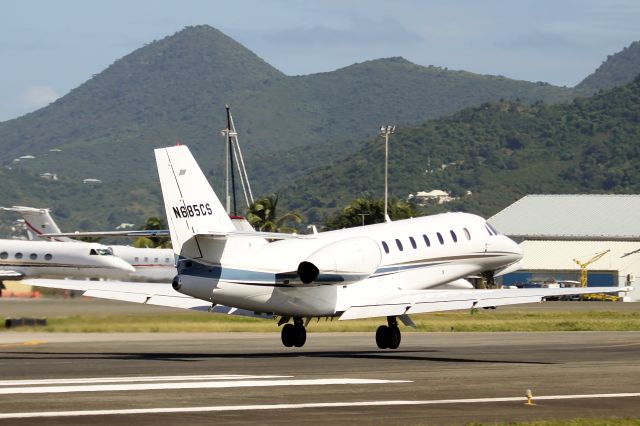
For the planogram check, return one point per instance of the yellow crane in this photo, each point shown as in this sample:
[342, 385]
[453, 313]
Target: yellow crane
[583, 266]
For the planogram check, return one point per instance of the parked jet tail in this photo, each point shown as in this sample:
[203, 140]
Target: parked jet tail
[38, 222]
[191, 206]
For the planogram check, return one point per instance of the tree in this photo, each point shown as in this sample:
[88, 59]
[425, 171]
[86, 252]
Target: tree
[367, 211]
[153, 223]
[262, 215]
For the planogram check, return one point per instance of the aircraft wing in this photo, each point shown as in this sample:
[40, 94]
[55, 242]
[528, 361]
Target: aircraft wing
[254, 234]
[165, 233]
[6, 274]
[134, 234]
[421, 301]
[158, 294]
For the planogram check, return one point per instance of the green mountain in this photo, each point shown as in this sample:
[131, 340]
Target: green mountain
[498, 152]
[618, 69]
[175, 89]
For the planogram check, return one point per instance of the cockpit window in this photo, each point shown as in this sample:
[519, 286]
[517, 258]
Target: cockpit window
[101, 252]
[495, 232]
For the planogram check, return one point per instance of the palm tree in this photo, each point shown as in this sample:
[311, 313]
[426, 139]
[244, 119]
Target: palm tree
[263, 217]
[153, 223]
[367, 210]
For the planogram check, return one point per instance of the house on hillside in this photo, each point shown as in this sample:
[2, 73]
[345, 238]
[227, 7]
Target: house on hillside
[436, 196]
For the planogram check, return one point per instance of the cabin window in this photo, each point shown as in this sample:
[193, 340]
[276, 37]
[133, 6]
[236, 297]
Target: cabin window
[48, 256]
[4, 255]
[440, 238]
[426, 240]
[146, 260]
[466, 233]
[453, 236]
[167, 260]
[33, 256]
[136, 259]
[413, 243]
[155, 260]
[384, 246]
[399, 244]
[18, 256]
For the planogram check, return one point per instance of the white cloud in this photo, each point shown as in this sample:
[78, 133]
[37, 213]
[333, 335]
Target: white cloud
[38, 96]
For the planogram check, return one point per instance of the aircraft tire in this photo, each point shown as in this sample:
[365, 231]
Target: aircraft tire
[394, 338]
[299, 336]
[383, 337]
[288, 335]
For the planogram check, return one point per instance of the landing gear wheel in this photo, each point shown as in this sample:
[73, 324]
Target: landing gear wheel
[299, 335]
[394, 338]
[288, 335]
[382, 337]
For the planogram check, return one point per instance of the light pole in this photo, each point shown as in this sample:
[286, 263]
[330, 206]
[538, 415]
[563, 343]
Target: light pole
[385, 132]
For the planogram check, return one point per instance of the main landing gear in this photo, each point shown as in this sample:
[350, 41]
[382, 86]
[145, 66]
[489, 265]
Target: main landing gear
[388, 336]
[294, 334]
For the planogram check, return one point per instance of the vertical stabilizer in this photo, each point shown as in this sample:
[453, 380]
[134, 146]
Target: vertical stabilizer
[190, 204]
[38, 222]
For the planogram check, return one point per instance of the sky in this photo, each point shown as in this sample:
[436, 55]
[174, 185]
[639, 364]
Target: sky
[50, 47]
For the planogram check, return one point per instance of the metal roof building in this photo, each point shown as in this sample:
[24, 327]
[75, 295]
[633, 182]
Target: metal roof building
[581, 217]
[553, 230]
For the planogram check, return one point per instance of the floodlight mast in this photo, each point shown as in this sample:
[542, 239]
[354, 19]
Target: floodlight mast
[385, 132]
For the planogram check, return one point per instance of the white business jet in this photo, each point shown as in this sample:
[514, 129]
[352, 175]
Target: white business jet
[21, 259]
[390, 270]
[151, 264]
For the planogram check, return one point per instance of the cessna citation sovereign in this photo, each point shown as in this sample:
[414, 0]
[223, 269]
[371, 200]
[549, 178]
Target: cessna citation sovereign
[391, 270]
[21, 259]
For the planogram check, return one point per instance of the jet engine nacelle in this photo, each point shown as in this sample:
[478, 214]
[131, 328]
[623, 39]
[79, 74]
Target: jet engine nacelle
[349, 260]
[194, 286]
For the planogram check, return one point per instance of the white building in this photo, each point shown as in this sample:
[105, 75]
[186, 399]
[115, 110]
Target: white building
[556, 230]
[435, 196]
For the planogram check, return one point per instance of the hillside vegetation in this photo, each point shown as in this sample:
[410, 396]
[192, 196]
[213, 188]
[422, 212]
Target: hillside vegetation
[499, 152]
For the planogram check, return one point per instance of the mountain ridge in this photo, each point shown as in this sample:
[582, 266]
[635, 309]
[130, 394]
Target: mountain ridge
[175, 89]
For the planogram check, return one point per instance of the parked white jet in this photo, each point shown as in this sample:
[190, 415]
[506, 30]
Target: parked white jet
[151, 264]
[28, 259]
[391, 270]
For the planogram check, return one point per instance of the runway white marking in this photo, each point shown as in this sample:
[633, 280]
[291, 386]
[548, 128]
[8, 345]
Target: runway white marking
[298, 406]
[12, 390]
[132, 379]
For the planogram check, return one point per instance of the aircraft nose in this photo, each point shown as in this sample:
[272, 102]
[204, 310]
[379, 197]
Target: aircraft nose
[123, 265]
[515, 248]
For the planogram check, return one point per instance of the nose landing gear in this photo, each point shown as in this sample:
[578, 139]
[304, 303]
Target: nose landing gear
[294, 334]
[389, 336]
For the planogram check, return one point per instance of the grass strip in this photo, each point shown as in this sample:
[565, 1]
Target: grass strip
[480, 321]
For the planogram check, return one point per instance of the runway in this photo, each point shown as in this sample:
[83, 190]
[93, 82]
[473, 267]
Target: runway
[235, 378]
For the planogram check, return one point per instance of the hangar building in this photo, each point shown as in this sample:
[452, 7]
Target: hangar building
[556, 230]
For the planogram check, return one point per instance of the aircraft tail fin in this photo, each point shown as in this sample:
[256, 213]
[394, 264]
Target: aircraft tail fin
[38, 222]
[191, 205]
